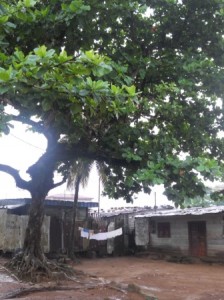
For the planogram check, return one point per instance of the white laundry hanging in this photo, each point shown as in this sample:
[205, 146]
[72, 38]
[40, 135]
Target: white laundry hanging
[106, 235]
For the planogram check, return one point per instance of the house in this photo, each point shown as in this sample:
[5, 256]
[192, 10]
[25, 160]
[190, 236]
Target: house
[123, 217]
[192, 231]
[57, 222]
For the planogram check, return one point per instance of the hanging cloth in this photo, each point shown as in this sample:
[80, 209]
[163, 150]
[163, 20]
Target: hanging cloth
[85, 233]
[106, 235]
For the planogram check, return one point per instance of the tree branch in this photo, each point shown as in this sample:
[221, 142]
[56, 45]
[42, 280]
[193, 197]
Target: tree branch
[40, 127]
[20, 183]
[67, 153]
[59, 183]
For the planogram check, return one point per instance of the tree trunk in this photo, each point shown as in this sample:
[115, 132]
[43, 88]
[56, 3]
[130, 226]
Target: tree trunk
[71, 250]
[32, 242]
[31, 262]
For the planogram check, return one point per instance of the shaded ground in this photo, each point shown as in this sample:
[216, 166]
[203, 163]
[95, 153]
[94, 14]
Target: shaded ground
[127, 278]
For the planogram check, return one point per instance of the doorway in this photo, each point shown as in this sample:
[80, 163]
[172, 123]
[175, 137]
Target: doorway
[55, 234]
[197, 238]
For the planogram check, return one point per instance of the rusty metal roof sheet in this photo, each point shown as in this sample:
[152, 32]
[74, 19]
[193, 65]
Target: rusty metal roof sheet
[131, 210]
[197, 211]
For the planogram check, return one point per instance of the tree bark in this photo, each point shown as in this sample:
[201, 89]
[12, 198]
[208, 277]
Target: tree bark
[32, 242]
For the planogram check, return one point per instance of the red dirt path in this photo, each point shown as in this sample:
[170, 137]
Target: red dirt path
[132, 278]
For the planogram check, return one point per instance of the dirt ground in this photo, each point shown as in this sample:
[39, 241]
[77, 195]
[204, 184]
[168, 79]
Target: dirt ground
[125, 278]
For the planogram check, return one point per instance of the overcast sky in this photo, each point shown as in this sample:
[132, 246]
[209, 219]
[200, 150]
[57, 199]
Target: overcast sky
[20, 149]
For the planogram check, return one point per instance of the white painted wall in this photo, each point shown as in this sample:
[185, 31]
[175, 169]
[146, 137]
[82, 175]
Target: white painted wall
[13, 228]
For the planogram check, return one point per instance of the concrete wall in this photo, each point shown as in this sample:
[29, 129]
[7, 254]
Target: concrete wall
[178, 240]
[215, 235]
[13, 228]
[141, 231]
[131, 222]
[110, 242]
[123, 243]
[82, 212]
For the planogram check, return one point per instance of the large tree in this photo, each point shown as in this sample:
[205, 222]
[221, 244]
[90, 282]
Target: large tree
[136, 85]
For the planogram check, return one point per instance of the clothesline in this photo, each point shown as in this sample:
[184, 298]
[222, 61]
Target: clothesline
[89, 234]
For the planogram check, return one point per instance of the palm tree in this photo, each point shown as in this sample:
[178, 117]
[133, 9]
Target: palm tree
[79, 174]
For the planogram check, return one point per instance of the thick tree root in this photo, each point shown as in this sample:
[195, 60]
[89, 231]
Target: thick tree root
[124, 289]
[31, 268]
[84, 281]
[25, 292]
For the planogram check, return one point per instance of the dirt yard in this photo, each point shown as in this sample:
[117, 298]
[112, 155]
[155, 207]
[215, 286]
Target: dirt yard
[125, 278]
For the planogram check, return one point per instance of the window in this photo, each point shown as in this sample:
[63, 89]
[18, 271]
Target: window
[163, 230]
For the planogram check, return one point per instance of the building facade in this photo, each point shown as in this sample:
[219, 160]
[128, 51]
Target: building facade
[56, 227]
[193, 232]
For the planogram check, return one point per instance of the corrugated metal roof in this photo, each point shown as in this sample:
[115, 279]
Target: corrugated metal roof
[11, 206]
[131, 210]
[64, 203]
[68, 197]
[197, 211]
[123, 211]
[6, 203]
[14, 201]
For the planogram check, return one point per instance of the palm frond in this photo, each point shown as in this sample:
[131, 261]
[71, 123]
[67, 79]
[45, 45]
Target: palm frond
[79, 168]
[83, 167]
[101, 171]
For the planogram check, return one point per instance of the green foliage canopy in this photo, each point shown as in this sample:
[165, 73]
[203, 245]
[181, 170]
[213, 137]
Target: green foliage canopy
[134, 84]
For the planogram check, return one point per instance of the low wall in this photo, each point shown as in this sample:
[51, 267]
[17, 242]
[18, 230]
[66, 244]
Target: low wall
[13, 228]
